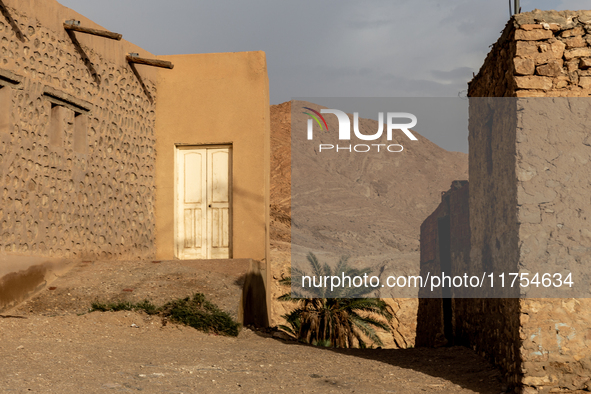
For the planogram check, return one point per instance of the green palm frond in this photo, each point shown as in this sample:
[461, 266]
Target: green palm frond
[366, 328]
[316, 267]
[338, 318]
[370, 320]
[287, 329]
[287, 297]
[342, 265]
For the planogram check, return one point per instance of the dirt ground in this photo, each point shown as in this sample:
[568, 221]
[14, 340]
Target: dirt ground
[54, 345]
[74, 289]
[102, 352]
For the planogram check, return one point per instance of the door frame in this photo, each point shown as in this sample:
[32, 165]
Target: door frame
[184, 146]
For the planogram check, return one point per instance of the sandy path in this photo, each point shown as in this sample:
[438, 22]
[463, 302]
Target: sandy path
[100, 352]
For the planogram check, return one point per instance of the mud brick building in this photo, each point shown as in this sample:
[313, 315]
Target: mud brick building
[103, 156]
[528, 205]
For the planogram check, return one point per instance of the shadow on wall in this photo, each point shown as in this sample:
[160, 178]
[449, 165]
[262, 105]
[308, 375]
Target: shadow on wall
[254, 300]
[445, 249]
[4, 11]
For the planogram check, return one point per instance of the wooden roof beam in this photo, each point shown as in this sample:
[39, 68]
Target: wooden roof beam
[4, 11]
[134, 58]
[75, 26]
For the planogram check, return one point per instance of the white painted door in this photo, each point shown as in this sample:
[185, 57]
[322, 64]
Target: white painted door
[218, 203]
[203, 203]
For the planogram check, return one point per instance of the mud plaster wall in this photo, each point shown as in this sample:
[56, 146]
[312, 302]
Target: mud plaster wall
[554, 211]
[72, 185]
[218, 98]
[542, 344]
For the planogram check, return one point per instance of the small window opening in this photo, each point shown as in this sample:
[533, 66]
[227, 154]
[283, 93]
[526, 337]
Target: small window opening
[80, 132]
[57, 124]
[5, 109]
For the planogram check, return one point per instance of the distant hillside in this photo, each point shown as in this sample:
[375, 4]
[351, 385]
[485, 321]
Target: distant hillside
[372, 207]
[397, 191]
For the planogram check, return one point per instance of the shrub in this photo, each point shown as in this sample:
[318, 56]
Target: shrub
[193, 311]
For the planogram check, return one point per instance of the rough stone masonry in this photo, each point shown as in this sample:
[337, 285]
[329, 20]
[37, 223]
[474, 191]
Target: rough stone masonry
[529, 203]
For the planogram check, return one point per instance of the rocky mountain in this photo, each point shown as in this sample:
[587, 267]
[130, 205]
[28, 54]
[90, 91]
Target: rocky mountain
[361, 205]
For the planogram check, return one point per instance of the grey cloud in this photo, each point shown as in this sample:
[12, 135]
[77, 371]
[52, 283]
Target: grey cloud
[460, 74]
[406, 48]
[370, 24]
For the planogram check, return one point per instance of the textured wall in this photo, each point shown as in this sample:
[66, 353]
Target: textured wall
[539, 54]
[554, 210]
[76, 179]
[492, 325]
[529, 196]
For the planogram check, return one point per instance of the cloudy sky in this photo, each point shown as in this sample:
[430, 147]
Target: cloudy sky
[327, 48]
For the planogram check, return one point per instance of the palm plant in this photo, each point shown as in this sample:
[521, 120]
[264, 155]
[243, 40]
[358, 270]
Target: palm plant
[334, 318]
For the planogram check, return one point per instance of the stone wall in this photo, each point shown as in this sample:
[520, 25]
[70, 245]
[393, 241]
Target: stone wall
[529, 200]
[491, 325]
[486, 325]
[539, 54]
[528, 213]
[76, 140]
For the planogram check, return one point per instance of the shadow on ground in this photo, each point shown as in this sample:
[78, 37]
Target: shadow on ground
[458, 365]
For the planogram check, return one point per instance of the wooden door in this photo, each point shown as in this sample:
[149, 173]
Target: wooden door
[218, 203]
[203, 203]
